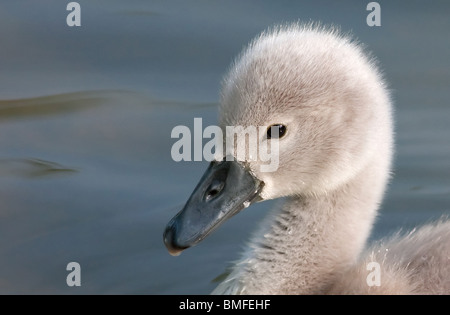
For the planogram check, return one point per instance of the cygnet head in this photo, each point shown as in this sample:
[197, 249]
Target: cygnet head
[334, 110]
[326, 93]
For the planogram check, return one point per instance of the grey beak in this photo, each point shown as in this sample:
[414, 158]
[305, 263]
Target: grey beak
[225, 189]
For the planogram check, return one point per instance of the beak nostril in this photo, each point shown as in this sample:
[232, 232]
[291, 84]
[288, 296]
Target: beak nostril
[211, 194]
[214, 190]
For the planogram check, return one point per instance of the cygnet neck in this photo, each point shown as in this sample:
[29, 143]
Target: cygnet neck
[303, 244]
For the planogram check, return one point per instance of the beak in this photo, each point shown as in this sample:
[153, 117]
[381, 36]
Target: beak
[225, 189]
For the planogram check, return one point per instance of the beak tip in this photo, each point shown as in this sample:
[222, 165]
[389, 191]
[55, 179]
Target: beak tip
[170, 243]
[175, 253]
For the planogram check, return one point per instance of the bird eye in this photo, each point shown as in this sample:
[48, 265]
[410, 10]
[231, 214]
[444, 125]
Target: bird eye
[278, 129]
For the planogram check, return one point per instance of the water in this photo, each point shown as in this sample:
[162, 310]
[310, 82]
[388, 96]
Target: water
[86, 115]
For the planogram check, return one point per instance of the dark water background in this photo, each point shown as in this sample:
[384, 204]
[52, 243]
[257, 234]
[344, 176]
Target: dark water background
[86, 115]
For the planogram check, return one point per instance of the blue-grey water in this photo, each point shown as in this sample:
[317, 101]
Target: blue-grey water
[86, 115]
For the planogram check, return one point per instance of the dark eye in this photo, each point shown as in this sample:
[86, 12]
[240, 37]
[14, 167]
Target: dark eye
[277, 128]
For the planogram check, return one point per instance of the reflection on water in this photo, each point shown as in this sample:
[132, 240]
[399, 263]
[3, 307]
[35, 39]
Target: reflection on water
[86, 173]
[30, 168]
[48, 105]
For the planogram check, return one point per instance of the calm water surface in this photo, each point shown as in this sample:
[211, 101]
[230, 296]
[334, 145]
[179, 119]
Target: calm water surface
[86, 115]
